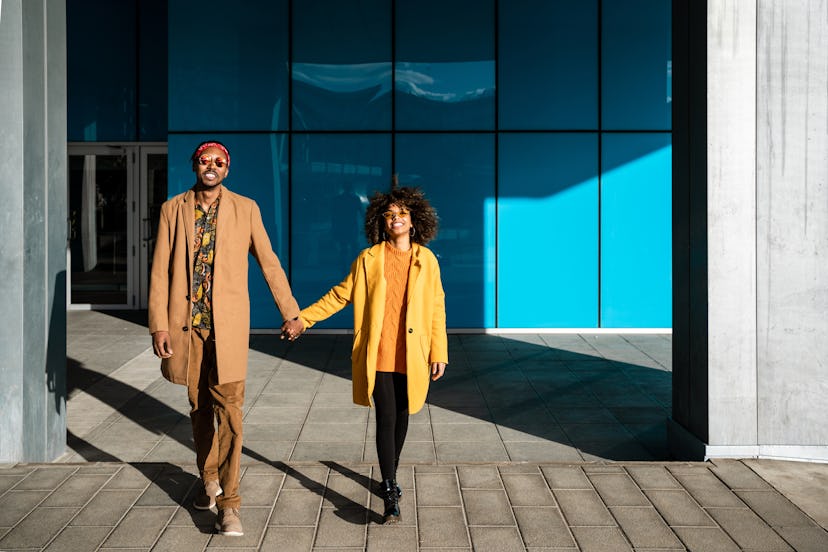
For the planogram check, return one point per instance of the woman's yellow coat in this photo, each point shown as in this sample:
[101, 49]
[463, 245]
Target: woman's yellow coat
[425, 319]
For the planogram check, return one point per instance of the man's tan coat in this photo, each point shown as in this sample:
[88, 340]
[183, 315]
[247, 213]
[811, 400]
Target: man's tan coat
[239, 230]
[425, 320]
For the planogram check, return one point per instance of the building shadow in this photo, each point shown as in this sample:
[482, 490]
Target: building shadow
[181, 487]
[571, 394]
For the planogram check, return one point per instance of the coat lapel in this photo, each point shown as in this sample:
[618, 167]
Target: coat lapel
[414, 270]
[188, 216]
[225, 211]
[375, 274]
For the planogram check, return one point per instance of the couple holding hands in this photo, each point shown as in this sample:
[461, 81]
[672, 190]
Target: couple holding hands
[199, 318]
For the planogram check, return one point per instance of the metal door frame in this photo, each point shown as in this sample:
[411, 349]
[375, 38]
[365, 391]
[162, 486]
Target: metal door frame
[137, 261]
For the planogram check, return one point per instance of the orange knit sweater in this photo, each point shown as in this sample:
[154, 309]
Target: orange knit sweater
[391, 354]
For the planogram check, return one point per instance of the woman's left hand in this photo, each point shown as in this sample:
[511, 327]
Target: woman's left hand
[437, 370]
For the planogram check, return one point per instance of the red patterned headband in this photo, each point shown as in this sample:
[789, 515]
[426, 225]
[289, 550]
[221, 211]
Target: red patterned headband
[206, 145]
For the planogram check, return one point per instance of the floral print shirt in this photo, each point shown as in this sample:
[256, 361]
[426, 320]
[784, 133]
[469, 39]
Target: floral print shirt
[204, 246]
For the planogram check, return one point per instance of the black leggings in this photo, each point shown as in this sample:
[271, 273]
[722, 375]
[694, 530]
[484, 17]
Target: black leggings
[391, 402]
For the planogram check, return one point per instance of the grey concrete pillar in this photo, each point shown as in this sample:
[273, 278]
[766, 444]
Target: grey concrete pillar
[750, 377]
[33, 226]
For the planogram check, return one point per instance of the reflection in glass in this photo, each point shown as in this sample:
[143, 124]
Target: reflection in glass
[333, 177]
[449, 95]
[445, 70]
[341, 66]
[98, 228]
[456, 171]
[342, 97]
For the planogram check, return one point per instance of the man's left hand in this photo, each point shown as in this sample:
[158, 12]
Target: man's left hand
[437, 370]
[292, 329]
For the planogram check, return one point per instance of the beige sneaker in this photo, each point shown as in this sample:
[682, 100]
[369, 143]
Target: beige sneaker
[207, 498]
[229, 522]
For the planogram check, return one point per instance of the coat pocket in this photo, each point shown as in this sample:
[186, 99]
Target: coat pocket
[425, 348]
[357, 345]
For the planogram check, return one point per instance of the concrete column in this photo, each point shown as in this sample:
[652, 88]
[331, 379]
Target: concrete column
[792, 228]
[33, 226]
[759, 345]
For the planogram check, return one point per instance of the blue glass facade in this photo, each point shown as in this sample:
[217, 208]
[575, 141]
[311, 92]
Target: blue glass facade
[540, 130]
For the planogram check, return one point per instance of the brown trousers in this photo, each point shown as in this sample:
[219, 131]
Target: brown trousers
[216, 417]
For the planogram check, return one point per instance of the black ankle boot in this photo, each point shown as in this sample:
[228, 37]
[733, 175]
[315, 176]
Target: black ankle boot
[392, 502]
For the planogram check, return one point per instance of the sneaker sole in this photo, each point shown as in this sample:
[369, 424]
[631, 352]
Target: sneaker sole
[229, 533]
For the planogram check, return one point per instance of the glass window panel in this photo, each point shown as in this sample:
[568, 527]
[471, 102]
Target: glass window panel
[332, 178]
[456, 171]
[236, 80]
[258, 170]
[101, 70]
[444, 75]
[636, 66]
[636, 231]
[548, 194]
[98, 233]
[341, 65]
[548, 65]
[152, 70]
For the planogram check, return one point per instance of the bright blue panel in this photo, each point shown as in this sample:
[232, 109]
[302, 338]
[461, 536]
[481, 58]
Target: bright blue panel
[548, 65]
[258, 169]
[228, 66]
[444, 76]
[636, 231]
[456, 171]
[341, 65]
[332, 178]
[636, 65]
[101, 70]
[547, 231]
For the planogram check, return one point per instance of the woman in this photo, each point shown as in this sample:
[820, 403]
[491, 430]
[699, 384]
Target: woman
[399, 322]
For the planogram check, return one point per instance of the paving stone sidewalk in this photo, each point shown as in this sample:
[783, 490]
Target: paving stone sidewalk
[318, 506]
[532, 442]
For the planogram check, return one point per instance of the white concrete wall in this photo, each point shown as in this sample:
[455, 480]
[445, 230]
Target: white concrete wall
[33, 226]
[11, 223]
[731, 221]
[767, 183]
[792, 224]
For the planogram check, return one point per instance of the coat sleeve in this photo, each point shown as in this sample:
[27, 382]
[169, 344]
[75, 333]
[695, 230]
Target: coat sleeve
[159, 291]
[336, 299]
[272, 269]
[439, 337]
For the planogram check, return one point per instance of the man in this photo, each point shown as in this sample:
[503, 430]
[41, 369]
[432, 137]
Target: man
[199, 317]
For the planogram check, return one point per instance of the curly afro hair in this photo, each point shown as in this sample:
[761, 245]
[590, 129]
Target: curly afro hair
[424, 218]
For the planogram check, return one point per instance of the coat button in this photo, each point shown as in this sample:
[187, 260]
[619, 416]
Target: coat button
[188, 298]
[185, 329]
[410, 330]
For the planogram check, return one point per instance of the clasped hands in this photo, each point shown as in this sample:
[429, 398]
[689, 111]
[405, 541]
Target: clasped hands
[292, 329]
